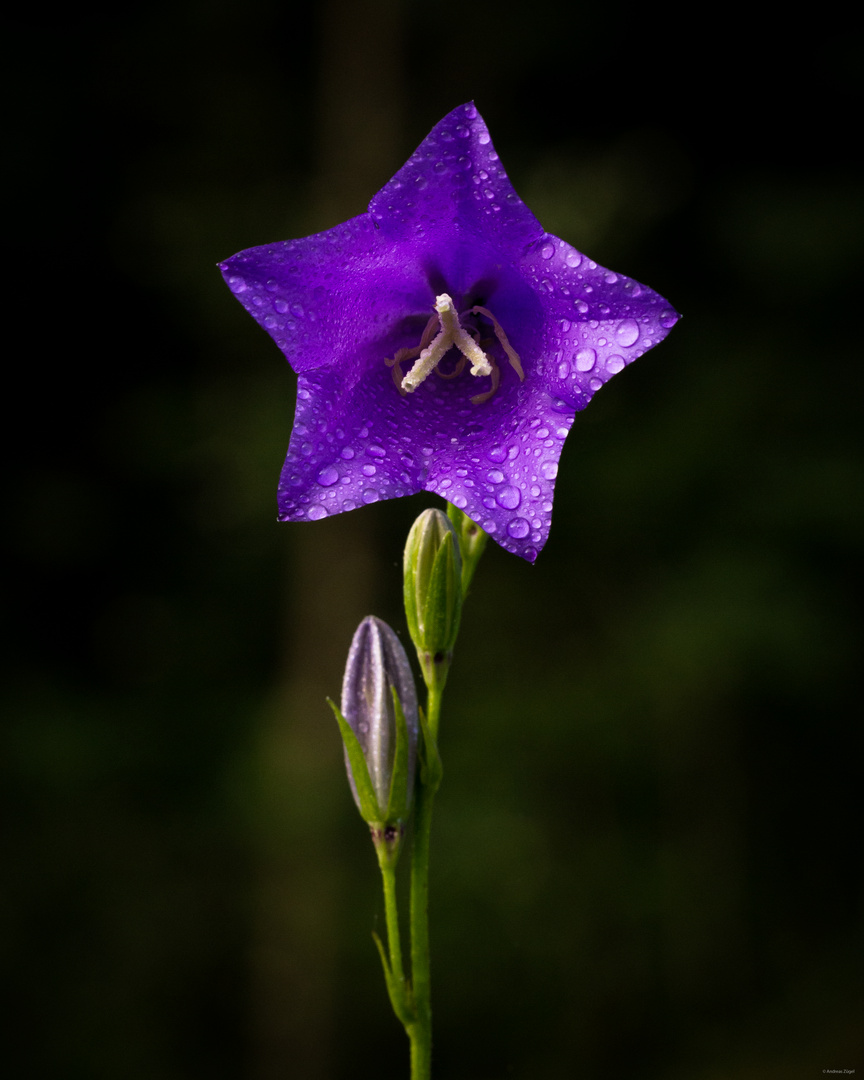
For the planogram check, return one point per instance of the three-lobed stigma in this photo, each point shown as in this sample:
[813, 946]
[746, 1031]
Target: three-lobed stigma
[452, 334]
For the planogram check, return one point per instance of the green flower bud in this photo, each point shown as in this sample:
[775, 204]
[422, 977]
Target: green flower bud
[433, 584]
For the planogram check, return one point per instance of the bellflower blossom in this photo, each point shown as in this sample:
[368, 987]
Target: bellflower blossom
[443, 341]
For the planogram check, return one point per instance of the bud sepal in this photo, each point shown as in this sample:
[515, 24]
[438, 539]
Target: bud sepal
[472, 542]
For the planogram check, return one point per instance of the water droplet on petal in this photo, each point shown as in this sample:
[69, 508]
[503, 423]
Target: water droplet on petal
[518, 528]
[549, 470]
[497, 453]
[627, 333]
[490, 526]
[585, 359]
[327, 477]
[315, 513]
[547, 251]
[495, 476]
[509, 497]
[370, 495]
[614, 364]
[563, 369]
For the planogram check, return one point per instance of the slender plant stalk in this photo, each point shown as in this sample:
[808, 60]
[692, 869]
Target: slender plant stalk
[396, 985]
[420, 1031]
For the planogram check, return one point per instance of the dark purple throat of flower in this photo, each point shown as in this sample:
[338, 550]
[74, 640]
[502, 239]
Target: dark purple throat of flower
[443, 342]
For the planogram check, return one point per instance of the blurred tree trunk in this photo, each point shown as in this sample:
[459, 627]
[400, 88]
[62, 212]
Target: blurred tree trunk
[332, 586]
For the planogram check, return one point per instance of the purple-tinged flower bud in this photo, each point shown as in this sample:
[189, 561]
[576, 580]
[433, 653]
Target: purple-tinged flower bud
[377, 688]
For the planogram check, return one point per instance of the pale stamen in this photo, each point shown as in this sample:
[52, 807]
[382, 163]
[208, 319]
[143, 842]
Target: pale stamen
[478, 399]
[512, 355]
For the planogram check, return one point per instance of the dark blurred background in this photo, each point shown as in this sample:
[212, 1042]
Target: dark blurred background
[647, 858]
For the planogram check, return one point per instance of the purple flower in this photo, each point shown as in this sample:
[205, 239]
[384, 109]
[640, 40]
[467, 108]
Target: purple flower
[443, 341]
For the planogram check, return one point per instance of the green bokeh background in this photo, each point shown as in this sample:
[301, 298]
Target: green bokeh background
[647, 856]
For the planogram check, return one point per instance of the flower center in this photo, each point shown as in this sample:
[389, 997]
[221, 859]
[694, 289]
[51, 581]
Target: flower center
[452, 334]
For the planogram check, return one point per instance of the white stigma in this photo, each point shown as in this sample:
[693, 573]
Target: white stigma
[451, 334]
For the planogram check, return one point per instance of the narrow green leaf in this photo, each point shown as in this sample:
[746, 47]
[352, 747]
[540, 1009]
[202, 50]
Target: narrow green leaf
[369, 809]
[395, 988]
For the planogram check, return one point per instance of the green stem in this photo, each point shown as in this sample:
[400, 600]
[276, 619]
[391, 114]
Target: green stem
[396, 975]
[420, 1031]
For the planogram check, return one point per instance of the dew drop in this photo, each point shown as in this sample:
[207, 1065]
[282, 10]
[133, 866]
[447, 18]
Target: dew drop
[627, 333]
[237, 285]
[369, 470]
[563, 369]
[668, 319]
[585, 359]
[547, 251]
[495, 476]
[490, 526]
[327, 478]
[460, 501]
[573, 258]
[346, 453]
[518, 528]
[614, 364]
[509, 497]
[549, 470]
[370, 495]
[315, 513]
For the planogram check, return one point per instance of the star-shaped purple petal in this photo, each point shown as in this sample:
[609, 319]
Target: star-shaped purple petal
[343, 303]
